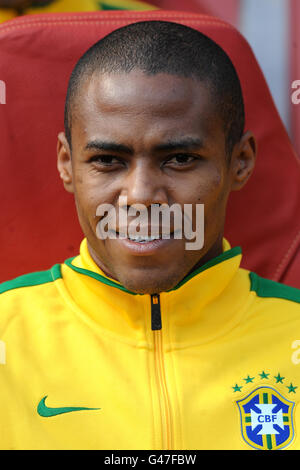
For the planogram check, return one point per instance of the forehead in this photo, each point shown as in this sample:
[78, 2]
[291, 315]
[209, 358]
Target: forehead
[138, 103]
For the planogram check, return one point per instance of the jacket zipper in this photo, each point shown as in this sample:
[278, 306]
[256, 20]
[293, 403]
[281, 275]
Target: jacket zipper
[164, 400]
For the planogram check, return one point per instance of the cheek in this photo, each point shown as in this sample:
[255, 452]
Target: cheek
[207, 187]
[87, 198]
[92, 190]
[212, 191]
[215, 205]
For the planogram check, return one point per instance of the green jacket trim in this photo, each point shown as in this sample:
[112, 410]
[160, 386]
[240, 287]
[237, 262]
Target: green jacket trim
[267, 288]
[32, 279]
[104, 6]
[97, 276]
[213, 262]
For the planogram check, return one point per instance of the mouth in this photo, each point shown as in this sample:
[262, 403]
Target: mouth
[144, 239]
[143, 245]
[143, 236]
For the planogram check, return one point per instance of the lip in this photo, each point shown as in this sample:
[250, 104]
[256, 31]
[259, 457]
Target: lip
[146, 248]
[152, 247]
[145, 231]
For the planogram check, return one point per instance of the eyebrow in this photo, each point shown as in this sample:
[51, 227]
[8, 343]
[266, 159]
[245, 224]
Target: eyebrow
[110, 146]
[187, 143]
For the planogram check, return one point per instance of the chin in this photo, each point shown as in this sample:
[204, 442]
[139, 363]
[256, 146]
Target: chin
[149, 285]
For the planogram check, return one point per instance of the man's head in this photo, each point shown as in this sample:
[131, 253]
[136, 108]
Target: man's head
[154, 112]
[163, 47]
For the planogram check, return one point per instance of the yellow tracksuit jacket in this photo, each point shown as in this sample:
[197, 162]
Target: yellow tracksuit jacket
[63, 6]
[212, 364]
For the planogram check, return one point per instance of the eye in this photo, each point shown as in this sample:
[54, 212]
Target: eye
[181, 159]
[105, 160]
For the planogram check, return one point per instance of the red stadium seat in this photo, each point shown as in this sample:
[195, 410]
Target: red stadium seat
[38, 222]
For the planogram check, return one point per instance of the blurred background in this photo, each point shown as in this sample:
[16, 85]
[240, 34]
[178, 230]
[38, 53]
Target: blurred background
[270, 26]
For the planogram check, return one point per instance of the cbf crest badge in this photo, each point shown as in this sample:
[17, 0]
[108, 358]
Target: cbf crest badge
[267, 419]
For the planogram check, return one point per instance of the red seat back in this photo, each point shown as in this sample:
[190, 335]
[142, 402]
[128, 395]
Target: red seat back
[38, 222]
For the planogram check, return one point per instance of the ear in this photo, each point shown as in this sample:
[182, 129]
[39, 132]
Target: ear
[243, 161]
[64, 162]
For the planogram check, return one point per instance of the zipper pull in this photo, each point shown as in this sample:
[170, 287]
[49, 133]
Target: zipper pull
[155, 312]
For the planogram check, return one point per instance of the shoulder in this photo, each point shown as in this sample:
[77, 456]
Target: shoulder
[265, 288]
[30, 280]
[27, 302]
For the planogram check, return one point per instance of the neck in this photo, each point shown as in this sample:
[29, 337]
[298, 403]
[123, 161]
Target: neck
[213, 252]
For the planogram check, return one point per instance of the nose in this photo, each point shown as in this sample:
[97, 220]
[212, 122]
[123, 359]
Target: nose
[144, 185]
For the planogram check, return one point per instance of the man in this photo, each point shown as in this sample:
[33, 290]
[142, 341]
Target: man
[142, 343]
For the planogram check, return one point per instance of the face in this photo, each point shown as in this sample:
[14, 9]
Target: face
[153, 140]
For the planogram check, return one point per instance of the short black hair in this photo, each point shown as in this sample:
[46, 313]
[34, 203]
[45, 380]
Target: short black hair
[165, 47]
